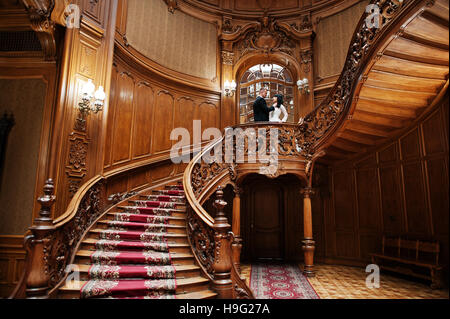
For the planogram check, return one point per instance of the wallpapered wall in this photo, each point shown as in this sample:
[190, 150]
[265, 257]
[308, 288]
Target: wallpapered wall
[25, 99]
[177, 41]
[333, 39]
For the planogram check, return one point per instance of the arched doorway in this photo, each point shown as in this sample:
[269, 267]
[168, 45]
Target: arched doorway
[276, 78]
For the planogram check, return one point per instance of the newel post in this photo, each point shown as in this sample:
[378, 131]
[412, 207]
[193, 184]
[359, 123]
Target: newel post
[308, 242]
[222, 253]
[38, 244]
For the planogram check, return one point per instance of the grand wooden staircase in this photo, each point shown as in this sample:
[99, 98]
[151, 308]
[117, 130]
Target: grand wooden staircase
[151, 211]
[382, 89]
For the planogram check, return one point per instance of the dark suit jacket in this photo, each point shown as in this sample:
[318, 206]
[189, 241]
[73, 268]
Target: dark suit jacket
[260, 110]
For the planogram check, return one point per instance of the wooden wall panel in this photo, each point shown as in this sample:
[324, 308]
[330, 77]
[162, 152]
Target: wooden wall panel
[143, 111]
[391, 199]
[185, 113]
[143, 120]
[113, 100]
[369, 243]
[368, 199]
[162, 171]
[138, 179]
[402, 188]
[343, 200]
[123, 120]
[389, 154]
[12, 263]
[164, 113]
[433, 134]
[345, 244]
[416, 208]
[209, 114]
[410, 145]
[438, 188]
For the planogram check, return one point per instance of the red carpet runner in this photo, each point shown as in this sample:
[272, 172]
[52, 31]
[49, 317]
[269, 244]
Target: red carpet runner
[132, 258]
[280, 281]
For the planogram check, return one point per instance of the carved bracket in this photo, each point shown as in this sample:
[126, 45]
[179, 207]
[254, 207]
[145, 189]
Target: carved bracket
[172, 5]
[40, 12]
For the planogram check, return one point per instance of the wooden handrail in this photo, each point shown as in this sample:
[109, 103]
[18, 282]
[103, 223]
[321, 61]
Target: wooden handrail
[189, 193]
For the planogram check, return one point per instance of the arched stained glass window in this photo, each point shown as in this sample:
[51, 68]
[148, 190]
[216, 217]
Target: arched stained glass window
[277, 80]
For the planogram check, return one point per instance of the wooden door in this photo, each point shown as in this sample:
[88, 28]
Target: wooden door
[265, 224]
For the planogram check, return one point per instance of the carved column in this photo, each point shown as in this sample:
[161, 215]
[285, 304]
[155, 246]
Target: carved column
[37, 244]
[236, 247]
[222, 283]
[306, 59]
[228, 109]
[308, 242]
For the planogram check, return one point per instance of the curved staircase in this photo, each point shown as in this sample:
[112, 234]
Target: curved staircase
[162, 243]
[139, 250]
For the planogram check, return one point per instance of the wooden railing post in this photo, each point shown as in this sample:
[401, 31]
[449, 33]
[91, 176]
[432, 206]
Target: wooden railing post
[222, 256]
[236, 229]
[37, 279]
[308, 242]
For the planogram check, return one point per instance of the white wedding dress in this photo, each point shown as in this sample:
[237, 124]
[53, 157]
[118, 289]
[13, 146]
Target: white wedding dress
[274, 116]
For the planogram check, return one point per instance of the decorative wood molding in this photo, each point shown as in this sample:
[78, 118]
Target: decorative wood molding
[172, 5]
[268, 38]
[232, 10]
[227, 58]
[39, 12]
[306, 56]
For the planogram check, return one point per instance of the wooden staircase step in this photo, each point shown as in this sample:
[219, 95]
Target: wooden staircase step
[184, 286]
[177, 221]
[89, 244]
[171, 229]
[84, 257]
[88, 253]
[172, 238]
[175, 212]
[181, 271]
[180, 268]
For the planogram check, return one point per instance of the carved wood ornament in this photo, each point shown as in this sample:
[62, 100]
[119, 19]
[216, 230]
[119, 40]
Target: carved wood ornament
[268, 38]
[172, 5]
[44, 16]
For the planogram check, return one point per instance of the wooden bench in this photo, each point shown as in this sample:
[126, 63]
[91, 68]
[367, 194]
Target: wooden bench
[414, 257]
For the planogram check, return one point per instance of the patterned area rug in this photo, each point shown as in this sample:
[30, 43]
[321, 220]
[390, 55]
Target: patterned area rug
[345, 282]
[280, 281]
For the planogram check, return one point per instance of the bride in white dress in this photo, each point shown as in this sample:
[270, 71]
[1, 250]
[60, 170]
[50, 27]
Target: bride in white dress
[274, 116]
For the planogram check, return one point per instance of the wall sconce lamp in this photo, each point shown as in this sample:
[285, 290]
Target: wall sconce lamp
[303, 86]
[229, 88]
[88, 95]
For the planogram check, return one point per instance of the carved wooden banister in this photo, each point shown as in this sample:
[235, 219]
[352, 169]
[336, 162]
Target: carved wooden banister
[52, 243]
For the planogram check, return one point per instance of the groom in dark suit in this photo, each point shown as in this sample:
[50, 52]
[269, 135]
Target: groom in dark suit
[260, 109]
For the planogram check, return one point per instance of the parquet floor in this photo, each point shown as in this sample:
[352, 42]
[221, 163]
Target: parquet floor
[344, 282]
